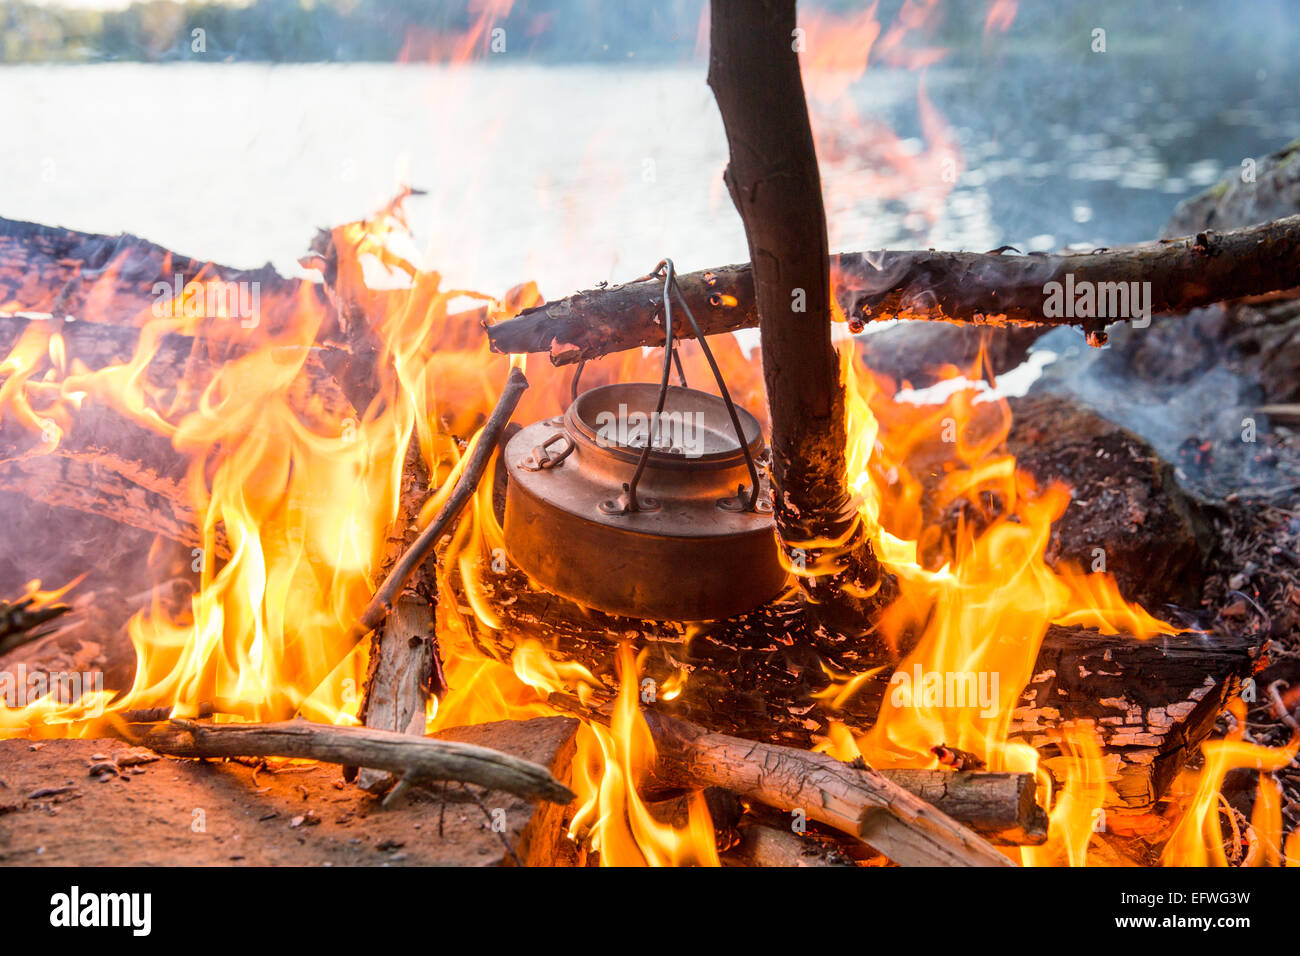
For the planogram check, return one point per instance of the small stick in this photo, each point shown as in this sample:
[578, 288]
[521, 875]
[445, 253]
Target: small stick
[151, 715]
[504, 840]
[20, 622]
[416, 554]
[1280, 708]
[419, 758]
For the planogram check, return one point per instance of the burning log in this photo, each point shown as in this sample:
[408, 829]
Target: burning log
[472, 474]
[964, 287]
[106, 465]
[773, 179]
[768, 846]
[415, 759]
[1153, 701]
[404, 666]
[1001, 807]
[1126, 504]
[119, 467]
[120, 279]
[858, 801]
[1127, 515]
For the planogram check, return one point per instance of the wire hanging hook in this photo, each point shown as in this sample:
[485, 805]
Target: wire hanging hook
[667, 270]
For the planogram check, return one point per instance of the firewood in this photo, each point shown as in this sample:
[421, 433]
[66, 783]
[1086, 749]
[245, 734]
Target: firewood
[399, 679]
[403, 653]
[107, 465]
[413, 758]
[1153, 701]
[774, 182]
[963, 287]
[112, 279]
[1126, 506]
[111, 465]
[1000, 806]
[858, 801]
[768, 846]
[484, 447]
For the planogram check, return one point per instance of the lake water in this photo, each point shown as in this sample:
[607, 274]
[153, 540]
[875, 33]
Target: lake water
[573, 175]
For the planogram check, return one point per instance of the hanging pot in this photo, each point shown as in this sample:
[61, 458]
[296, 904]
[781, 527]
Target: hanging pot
[680, 538]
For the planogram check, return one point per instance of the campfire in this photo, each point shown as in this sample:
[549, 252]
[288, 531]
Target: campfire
[402, 571]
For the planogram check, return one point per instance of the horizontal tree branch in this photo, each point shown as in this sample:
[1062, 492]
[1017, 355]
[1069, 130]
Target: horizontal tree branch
[962, 287]
[858, 801]
[1000, 806]
[413, 758]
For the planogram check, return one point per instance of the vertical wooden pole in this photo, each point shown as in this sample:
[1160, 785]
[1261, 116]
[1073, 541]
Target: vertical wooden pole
[776, 187]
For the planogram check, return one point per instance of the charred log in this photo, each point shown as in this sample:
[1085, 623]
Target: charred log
[120, 279]
[755, 676]
[921, 353]
[1127, 516]
[122, 466]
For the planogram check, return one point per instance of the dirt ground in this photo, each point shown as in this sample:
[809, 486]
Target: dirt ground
[56, 811]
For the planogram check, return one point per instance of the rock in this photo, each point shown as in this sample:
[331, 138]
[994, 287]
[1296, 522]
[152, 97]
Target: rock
[916, 352]
[1124, 500]
[1233, 203]
[1261, 337]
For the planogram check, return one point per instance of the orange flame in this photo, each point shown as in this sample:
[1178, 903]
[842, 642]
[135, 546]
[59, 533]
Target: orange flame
[1199, 838]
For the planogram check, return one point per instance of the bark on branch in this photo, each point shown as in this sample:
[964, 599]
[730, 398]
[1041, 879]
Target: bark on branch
[776, 186]
[112, 279]
[412, 758]
[858, 801]
[963, 287]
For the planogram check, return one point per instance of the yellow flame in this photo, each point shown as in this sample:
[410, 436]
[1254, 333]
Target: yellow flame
[1199, 837]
